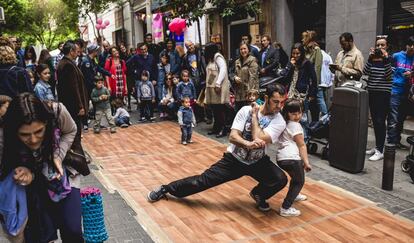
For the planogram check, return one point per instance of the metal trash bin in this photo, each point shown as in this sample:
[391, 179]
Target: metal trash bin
[348, 129]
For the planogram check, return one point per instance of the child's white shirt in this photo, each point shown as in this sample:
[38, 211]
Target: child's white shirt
[287, 148]
[121, 112]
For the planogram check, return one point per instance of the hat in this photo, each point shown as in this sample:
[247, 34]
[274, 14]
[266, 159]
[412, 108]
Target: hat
[92, 47]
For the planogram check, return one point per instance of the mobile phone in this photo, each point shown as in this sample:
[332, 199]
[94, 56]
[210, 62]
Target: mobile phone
[333, 65]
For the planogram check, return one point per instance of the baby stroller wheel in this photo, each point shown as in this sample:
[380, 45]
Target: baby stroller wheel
[405, 166]
[325, 153]
[312, 148]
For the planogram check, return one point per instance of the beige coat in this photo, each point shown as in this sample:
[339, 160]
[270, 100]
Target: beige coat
[351, 65]
[248, 73]
[213, 71]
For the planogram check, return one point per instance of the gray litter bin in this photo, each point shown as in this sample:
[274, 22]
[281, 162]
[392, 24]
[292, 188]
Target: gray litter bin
[348, 129]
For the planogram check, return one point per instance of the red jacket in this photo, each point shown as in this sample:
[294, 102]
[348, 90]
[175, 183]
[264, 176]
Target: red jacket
[110, 66]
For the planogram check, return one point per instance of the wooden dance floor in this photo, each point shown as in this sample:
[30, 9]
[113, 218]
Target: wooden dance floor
[141, 157]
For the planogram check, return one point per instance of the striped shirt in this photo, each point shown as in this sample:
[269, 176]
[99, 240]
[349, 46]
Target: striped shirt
[379, 75]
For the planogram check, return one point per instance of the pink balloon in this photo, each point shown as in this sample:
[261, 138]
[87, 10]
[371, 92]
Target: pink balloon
[99, 21]
[181, 23]
[106, 22]
[98, 26]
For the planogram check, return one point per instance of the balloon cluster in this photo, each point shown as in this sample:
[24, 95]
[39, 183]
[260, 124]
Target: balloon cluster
[177, 26]
[100, 24]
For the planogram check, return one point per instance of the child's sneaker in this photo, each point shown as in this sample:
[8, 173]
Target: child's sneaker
[301, 197]
[152, 119]
[113, 130]
[124, 125]
[184, 143]
[190, 141]
[290, 212]
[143, 119]
[85, 128]
[96, 130]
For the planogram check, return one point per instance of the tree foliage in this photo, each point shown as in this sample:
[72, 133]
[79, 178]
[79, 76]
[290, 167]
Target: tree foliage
[192, 10]
[14, 12]
[43, 21]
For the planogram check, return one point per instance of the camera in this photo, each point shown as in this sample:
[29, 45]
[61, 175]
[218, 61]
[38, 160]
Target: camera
[377, 52]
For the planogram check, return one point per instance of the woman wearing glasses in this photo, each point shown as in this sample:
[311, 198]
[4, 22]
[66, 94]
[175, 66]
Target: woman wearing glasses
[379, 71]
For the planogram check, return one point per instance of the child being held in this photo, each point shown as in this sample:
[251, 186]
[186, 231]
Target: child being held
[145, 97]
[187, 121]
[292, 156]
[253, 96]
[100, 97]
[121, 115]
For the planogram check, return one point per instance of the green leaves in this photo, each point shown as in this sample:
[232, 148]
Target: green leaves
[191, 10]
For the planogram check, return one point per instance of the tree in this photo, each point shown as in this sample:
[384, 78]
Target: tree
[193, 10]
[14, 12]
[89, 8]
[50, 21]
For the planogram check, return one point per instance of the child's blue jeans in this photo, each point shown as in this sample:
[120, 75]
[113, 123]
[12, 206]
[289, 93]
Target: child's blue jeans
[122, 120]
[186, 132]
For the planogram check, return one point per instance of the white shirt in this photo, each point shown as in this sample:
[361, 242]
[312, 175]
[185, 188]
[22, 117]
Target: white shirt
[121, 112]
[287, 148]
[326, 74]
[272, 125]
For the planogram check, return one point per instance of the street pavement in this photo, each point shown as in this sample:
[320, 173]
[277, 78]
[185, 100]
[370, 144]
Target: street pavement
[120, 219]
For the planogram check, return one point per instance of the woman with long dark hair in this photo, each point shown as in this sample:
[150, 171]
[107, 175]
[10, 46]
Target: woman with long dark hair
[30, 58]
[117, 67]
[42, 88]
[46, 58]
[300, 80]
[217, 88]
[37, 136]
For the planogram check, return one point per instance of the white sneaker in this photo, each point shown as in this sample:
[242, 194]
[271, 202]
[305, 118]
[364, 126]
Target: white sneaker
[377, 156]
[290, 212]
[370, 152]
[301, 197]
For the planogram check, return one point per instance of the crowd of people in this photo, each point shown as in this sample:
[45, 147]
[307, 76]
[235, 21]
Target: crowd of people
[45, 106]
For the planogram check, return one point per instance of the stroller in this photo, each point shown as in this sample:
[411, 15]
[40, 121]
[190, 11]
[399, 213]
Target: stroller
[319, 132]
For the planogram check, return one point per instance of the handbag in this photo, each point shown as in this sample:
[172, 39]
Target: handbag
[76, 158]
[201, 100]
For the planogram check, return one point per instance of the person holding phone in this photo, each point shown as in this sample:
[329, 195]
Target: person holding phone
[349, 62]
[379, 71]
[403, 63]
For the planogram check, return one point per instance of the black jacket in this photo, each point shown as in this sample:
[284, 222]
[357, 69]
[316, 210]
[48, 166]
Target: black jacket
[14, 80]
[307, 81]
[271, 61]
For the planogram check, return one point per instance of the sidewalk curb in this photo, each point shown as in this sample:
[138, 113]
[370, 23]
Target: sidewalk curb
[150, 226]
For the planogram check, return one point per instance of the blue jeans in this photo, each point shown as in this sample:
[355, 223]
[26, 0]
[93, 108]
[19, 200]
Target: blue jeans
[160, 88]
[122, 120]
[305, 120]
[398, 112]
[186, 132]
[320, 100]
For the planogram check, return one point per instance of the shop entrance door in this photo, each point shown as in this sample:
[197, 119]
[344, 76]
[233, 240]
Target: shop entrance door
[235, 31]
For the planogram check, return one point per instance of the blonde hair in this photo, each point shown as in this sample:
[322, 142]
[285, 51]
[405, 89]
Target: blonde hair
[7, 55]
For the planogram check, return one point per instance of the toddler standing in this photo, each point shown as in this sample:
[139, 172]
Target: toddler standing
[292, 156]
[145, 97]
[100, 97]
[187, 120]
